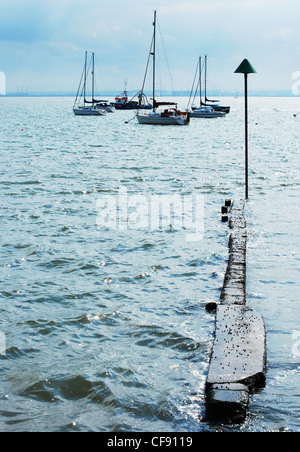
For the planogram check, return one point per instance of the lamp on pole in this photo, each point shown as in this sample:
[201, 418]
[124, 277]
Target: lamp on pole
[246, 68]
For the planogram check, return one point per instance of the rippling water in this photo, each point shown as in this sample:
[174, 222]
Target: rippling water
[107, 330]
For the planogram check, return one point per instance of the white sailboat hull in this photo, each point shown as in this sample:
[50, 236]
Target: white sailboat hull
[158, 119]
[207, 113]
[88, 111]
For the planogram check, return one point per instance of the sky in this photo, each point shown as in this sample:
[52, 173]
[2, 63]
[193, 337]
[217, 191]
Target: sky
[42, 42]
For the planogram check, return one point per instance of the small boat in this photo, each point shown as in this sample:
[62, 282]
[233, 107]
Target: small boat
[206, 112]
[170, 115]
[122, 102]
[89, 108]
[203, 111]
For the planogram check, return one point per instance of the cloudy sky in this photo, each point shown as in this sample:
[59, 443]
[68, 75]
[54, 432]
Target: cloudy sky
[42, 42]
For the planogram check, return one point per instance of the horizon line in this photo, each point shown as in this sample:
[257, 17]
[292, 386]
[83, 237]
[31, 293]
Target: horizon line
[177, 93]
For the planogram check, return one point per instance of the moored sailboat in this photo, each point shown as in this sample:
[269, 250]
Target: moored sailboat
[203, 111]
[214, 104]
[92, 107]
[206, 112]
[170, 114]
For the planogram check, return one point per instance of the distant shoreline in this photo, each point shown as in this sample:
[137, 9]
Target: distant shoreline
[216, 94]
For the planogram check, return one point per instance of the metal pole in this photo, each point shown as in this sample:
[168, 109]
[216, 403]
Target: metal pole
[246, 137]
[246, 68]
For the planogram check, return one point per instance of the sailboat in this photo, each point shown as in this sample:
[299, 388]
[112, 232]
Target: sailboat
[212, 103]
[89, 108]
[170, 115]
[203, 111]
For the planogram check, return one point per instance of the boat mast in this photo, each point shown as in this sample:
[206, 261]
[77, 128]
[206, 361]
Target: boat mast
[80, 87]
[85, 74]
[205, 79]
[200, 80]
[93, 79]
[154, 49]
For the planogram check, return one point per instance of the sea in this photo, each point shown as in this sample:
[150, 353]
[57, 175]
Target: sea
[103, 322]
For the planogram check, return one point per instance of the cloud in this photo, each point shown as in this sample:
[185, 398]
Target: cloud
[43, 42]
[22, 22]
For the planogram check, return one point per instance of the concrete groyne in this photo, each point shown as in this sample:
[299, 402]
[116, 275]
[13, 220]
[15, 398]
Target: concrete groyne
[238, 360]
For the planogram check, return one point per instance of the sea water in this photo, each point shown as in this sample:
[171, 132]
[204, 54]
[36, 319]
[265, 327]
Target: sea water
[105, 328]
